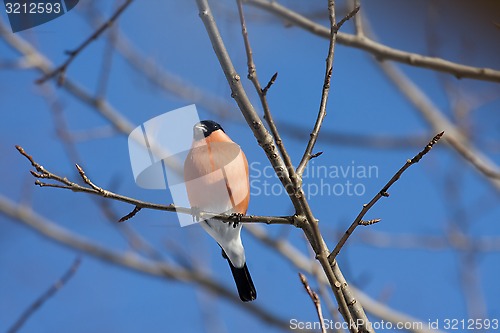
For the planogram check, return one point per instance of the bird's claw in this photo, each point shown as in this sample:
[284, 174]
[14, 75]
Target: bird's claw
[196, 214]
[237, 217]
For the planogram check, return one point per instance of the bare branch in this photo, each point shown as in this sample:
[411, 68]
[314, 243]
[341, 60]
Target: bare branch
[296, 258]
[38, 61]
[369, 222]
[429, 242]
[315, 299]
[358, 21]
[380, 51]
[438, 121]
[270, 83]
[46, 296]
[163, 79]
[252, 76]
[349, 16]
[348, 305]
[136, 210]
[131, 261]
[382, 193]
[262, 136]
[324, 94]
[96, 190]
[60, 71]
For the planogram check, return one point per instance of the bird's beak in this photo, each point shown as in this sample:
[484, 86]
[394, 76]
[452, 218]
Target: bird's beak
[200, 127]
[199, 131]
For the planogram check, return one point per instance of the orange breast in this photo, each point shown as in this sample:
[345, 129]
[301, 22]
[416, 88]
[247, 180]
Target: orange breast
[216, 175]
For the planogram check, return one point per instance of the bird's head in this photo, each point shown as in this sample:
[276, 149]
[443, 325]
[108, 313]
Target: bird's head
[204, 128]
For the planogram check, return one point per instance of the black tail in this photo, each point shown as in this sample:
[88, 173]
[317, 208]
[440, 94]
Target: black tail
[244, 282]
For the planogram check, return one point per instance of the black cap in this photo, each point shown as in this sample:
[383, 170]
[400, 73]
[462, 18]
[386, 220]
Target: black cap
[204, 128]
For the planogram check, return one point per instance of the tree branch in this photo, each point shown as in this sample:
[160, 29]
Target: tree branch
[60, 71]
[296, 258]
[64, 183]
[305, 217]
[382, 193]
[315, 298]
[263, 137]
[324, 93]
[436, 119]
[46, 296]
[252, 76]
[380, 51]
[37, 60]
[161, 269]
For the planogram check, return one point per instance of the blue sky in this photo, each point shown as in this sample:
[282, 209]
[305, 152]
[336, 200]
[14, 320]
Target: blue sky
[424, 283]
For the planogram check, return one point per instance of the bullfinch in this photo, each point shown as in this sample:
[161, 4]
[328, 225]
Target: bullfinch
[216, 178]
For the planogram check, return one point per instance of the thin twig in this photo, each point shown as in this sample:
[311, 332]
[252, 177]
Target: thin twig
[270, 83]
[317, 126]
[382, 193]
[326, 86]
[368, 222]
[64, 183]
[380, 51]
[315, 298]
[136, 210]
[252, 76]
[46, 296]
[60, 71]
[349, 16]
[292, 255]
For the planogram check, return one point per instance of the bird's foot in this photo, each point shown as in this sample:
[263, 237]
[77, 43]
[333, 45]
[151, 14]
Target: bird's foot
[237, 217]
[196, 214]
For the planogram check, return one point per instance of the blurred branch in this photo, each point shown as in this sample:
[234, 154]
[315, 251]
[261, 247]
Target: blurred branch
[129, 260]
[107, 64]
[382, 193]
[428, 242]
[37, 60]
[380, 51]
[170, 83]
[134, 240]
[315, 299]
[46, 296]
[64, 183]
[364, 140]
[471, 285]
[437, 121]
[60, 71]
[303, 263]
[430, 112]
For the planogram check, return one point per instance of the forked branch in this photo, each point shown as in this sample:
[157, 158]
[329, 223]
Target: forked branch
[382, 193]
[65, 183]
[60, 71]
